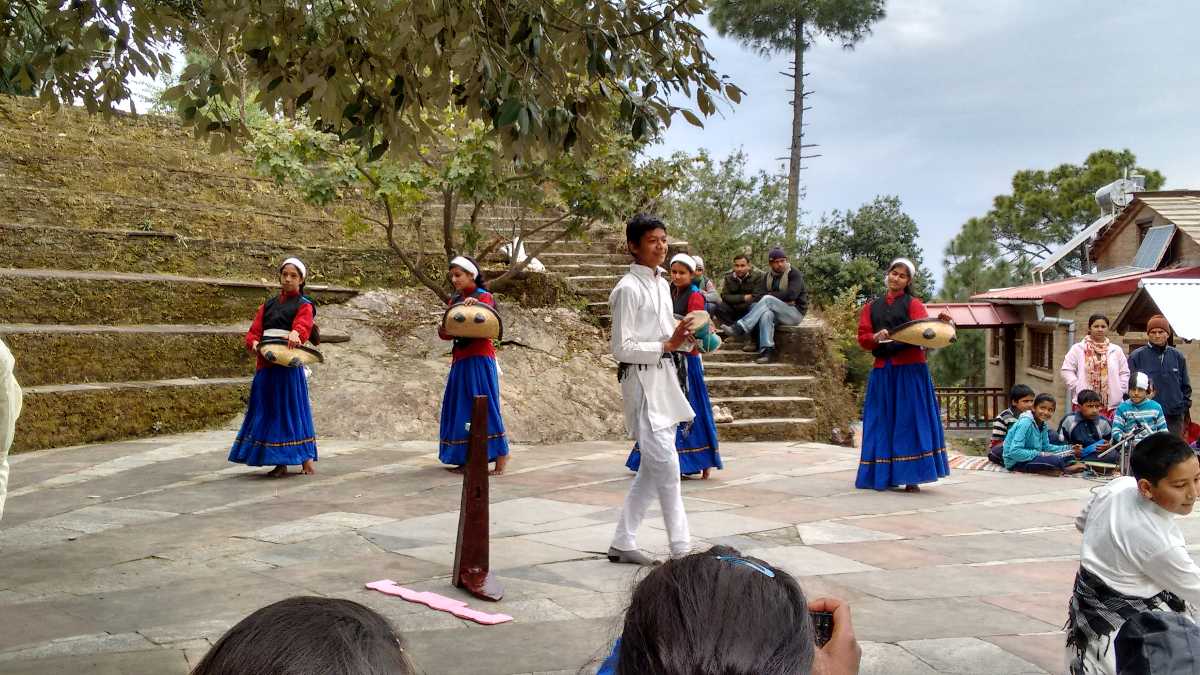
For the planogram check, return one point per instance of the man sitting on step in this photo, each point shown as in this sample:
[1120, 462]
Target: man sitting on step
[740, 289]
[783, 302]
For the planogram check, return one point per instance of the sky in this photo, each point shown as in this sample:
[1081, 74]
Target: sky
[947, 99]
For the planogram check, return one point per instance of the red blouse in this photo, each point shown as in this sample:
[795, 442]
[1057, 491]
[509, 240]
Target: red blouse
[302, 324]
[695, 302]
[473, 346]
[866, 331]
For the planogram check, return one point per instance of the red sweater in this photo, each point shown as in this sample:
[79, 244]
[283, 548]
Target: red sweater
[866, 332]
[695, 302]
[302, 324]
[473, 346]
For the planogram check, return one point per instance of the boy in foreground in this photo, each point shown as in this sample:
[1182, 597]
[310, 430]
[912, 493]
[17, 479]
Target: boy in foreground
[1134, 557]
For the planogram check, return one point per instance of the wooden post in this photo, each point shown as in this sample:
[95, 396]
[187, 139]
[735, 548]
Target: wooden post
[471, 552]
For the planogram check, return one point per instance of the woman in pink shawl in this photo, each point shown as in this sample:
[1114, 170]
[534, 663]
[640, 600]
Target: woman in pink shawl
[1096, 363]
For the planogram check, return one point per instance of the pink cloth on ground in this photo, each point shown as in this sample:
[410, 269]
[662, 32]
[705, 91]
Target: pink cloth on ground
[439, 602]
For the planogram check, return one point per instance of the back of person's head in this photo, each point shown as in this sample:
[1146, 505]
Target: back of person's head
[1154, 456]
[1162, 643]
[308, 636]
[717, 612]
[1087, 396]
[1018, 392]
[639, 225]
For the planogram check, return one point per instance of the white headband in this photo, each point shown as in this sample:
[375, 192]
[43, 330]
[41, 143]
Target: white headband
[295, 262]
[467, 266]
[686, 259]
[699, 261]
[908, 265]
[1141, 381]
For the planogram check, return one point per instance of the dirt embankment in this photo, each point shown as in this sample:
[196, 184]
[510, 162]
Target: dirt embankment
[387, 382]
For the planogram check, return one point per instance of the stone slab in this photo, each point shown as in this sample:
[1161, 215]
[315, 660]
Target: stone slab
[969, 656]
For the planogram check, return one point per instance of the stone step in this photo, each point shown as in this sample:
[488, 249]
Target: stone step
[47, 296]
[730, 352]
[594, 280]
[583, 269]
[722, 386]
[752, 407]
[741, 369]
[64, 415]
[555, 258]
[58, 354]
[581, 246]
[594, 294]
[598, 307]
[769, 429]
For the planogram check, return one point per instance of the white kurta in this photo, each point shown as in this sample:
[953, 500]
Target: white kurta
[642, 321]
[1135, 546]
[654, 404]
[10, 409]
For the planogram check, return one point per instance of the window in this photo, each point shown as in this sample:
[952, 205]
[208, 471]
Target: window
[995, 347]
[1041, 348]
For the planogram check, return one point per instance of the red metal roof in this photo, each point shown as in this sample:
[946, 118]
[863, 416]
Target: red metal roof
[976, 314]
[1068, 293]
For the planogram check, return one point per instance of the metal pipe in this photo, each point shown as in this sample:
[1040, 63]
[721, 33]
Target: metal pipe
[1040, 311]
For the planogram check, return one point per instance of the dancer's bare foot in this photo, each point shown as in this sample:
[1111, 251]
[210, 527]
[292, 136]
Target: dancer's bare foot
[704, 474]
[501, 465]
[912, 488]
[307, 468]
[279, 471]
[454, 469]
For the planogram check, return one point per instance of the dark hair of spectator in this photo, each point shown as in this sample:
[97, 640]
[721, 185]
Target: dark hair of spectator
[703, 614]
[1153, 458]
[1088, 396]
[742, 256]
[639, 225]
[1043, 398]
[1018, 392]
[1098, 317]
[308, 636]
[480, 283]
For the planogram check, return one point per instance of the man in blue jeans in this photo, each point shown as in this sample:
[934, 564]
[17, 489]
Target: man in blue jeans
[784, 302]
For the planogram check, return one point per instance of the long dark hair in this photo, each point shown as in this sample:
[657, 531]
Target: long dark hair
[717, 612]
[308, 635]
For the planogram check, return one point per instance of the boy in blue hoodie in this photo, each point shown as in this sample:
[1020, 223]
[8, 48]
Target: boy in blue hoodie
[1139, 416]
[1027, 446]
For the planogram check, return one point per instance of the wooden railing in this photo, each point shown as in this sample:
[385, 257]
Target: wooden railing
[970, 407]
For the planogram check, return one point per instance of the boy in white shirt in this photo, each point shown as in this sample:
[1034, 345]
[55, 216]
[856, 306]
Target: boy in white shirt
[1134, 557]
[645, 340]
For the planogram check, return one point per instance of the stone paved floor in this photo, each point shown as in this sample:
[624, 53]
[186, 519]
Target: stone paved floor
[133, 557]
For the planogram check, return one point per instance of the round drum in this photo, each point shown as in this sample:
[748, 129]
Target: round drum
[472, 321]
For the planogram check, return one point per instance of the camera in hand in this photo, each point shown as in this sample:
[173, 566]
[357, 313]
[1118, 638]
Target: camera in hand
[822, 626]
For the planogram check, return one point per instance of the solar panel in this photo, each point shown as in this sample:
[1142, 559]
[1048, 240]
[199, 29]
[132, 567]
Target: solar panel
[1115, 273]
[1154, 247]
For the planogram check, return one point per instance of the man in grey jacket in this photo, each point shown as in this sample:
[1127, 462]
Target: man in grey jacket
[741, 288]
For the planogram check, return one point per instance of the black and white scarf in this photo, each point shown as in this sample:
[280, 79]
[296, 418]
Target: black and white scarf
[1096, 611]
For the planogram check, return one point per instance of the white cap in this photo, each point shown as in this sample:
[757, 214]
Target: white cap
[687, 261]
[295, 262]
[467, 265]
[1141, 381]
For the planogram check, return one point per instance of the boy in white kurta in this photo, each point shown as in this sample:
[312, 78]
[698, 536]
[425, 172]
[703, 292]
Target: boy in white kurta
[644, 337]
[10, 409]
[1134, 557]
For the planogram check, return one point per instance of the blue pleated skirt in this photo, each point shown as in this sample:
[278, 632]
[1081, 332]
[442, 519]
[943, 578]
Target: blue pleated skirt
[278, 428]
[470, 377]
[696, 442]
[903, 442]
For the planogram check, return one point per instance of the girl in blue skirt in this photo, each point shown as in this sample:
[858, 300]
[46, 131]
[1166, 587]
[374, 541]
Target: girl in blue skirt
[278, 429]
[472, 373]
[903, 443]
[695, 441]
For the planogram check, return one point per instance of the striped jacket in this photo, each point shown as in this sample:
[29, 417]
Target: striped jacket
[1140, 419]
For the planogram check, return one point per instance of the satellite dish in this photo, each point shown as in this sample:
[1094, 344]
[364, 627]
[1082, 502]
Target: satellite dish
[1116, 195]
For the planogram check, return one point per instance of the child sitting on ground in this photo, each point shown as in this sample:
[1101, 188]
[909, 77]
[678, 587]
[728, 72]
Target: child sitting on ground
[1020, 399]
[1139, 416]
[1134, 557]
[1088, 428]
[1027, 446]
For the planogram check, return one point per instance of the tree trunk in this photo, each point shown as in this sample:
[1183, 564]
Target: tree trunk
[793, 206]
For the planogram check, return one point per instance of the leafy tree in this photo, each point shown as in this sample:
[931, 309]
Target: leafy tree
[854, 248]
[546, 74]
[462, 164]
[722, 210]
[792, 26]
[1047, 208]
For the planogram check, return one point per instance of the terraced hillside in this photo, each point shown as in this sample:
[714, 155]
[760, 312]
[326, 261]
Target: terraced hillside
[131, 261]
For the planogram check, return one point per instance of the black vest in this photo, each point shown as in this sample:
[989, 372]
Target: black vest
[889, 317]
[679, 299]
[280, 314]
